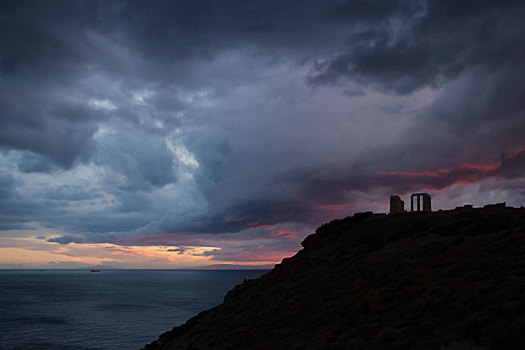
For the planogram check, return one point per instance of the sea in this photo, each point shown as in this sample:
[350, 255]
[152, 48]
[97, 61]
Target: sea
[110, 309]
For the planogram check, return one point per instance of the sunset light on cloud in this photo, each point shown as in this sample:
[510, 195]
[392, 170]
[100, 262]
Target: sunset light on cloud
[156, 251]
[32, 252]
[137, 137]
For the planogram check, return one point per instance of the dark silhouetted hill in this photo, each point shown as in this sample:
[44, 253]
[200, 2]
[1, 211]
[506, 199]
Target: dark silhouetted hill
[441, 280]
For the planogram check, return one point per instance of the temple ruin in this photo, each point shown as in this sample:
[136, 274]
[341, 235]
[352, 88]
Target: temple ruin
[397, 205]
[420, 197]
[423, 203]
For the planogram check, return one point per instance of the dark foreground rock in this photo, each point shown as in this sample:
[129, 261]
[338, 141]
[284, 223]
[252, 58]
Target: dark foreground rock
[442, 280]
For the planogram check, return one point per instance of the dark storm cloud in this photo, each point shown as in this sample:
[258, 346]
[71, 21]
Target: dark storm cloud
[34, 163]
[10, 227]
[68, 193]
[66, 240]
[136, 118]
[33, 120]
[7, 184]
[440, 40]
[41, 58]
[143, 159]
[512, 166]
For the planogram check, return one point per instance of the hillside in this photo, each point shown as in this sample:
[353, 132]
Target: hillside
[441, 280]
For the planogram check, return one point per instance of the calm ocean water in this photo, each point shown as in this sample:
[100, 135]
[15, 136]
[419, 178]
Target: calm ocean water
[111, 309]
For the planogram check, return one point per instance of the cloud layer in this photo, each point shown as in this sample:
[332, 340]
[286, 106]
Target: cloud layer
[226, 124]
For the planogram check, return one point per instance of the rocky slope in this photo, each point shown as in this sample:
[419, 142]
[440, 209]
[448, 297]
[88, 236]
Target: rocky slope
[441, 280]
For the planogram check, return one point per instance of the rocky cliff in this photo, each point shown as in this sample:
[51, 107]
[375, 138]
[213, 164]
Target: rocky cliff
[442, 280]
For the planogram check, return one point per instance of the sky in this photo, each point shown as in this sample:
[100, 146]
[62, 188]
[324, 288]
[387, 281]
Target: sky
[182, 134]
